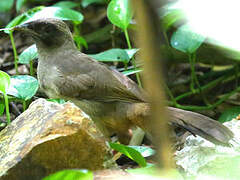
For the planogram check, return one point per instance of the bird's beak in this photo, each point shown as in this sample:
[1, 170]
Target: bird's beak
[26, 27]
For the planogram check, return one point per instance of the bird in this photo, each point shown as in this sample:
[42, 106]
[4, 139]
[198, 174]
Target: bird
[113, 101]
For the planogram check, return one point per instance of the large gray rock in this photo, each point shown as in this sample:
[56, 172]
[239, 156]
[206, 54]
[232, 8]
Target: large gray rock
[200, 158]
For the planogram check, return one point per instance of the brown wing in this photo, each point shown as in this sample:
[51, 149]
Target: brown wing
[89, 79]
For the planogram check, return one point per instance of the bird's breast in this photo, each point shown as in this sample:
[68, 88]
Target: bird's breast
[47, 74]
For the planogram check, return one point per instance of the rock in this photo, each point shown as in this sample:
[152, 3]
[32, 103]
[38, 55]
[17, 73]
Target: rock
[201, 158]
[49, 137]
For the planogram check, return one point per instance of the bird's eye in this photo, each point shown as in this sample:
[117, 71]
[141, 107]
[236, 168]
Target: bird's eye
[47, 29]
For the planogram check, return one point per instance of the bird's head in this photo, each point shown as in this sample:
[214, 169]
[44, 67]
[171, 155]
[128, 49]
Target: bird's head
[47, 32]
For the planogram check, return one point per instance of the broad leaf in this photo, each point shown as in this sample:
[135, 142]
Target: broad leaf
[185, 40]
[131, 52]
[60, 13]
[120, 55]
[19, 4]
[4, 81]
[172, 17]
[6, 5]
[229, 114]
[23, 17]
[145, 151]
[46, 12]
[23, 87]
[28, 54]
[86, 3]
[66, 4]
[71, 175]
[120, 13]
[129, 152]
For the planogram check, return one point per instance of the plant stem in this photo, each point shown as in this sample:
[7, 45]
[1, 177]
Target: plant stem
[7, 108]
[133, 59]
[194, 79]
[77, 34]
[127, 39]
[226, 96]
[31, 68]
[170, 95]
[14, 52]
[125, 66]
[210, 85]
[192, 73]
[24, 105]
[207, 86]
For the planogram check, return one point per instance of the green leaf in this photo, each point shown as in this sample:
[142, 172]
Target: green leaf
[2, 107]
[120, 13]
[80, 41]
[4, 81]
[86, 3]
[145, 151]
[131, 52]
[119, 55]
[71, 175]
[66, 4]
[129, 152]
[185, 40]
[229, 114]
[59, 101]
[131, 71]
[19, 4]
[172, 17]
[6, 5]
[60, 13]
[28, 54]
[23, 17]
[23, 87]
[46, 12]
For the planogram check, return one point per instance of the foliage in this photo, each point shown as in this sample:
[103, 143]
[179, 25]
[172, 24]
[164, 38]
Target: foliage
[71, 175]
[4, 81]
[66, 4]
[185, 40]
[28, 54]
[59, 101]
[46, 12]
[131, 71]
[23, 17]
[19, 4]
[120, 13]
[4, 84]
[60, 13]
[120, 55]
[23, 87]
[86, 3]
[145, 151]
[229, 114]
[130, 152]
[6, 5]
[171, 17]
[2, 107]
